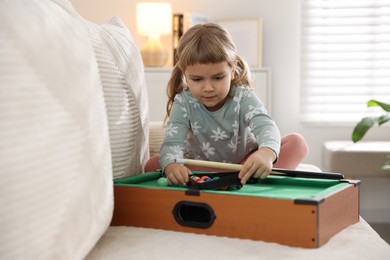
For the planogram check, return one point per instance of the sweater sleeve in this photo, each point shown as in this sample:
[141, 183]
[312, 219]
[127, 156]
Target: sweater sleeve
[176, 134]
[262, 126]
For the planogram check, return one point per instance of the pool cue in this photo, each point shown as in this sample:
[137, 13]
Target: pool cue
[215, 165]
[274, 171]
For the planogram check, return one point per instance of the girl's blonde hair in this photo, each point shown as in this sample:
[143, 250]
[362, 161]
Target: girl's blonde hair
[205, 44]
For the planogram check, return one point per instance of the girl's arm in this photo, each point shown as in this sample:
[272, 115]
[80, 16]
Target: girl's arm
[173, 146]
[259, 163]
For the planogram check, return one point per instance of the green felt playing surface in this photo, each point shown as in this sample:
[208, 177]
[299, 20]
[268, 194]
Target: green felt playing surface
[271, 187]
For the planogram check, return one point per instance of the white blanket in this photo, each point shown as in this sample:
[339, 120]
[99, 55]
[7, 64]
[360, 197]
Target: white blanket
[358, 241]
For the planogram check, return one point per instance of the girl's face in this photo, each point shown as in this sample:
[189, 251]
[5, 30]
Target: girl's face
[210, 83]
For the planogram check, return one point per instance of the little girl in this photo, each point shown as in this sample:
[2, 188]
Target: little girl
[215, 115]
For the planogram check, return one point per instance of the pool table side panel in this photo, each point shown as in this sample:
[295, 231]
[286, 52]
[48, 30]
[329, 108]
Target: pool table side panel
[271, 220]
[338, 212]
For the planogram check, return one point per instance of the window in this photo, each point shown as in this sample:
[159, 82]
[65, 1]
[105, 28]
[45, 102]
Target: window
[345, 59]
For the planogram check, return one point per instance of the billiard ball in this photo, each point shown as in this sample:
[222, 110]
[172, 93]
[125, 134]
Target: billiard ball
[162, 181]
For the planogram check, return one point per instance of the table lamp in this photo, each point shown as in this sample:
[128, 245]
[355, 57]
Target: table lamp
[153, 20]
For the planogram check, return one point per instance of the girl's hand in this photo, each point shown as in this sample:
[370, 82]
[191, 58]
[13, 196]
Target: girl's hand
[258, 164]
[177, 174]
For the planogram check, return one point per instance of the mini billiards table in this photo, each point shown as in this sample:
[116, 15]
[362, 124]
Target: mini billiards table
[301, 212]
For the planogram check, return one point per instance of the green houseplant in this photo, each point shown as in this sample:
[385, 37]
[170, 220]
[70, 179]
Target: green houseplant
[366, 123]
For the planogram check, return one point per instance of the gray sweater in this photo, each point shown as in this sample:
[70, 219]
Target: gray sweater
[241, 126]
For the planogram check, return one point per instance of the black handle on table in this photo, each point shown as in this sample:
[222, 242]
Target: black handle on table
[307, 174]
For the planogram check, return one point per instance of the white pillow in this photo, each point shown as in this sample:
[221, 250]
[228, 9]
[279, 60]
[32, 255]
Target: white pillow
[156, 136]
[56, 195]
[124, 87]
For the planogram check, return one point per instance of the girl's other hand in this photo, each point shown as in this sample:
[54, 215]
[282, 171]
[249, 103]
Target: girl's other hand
[259, 164]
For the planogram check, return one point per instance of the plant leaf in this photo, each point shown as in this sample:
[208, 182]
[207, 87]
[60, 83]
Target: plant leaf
[375, 103]
[362, 127]
[383, 119]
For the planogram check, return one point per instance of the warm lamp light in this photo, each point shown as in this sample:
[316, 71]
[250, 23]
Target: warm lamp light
[153, 20]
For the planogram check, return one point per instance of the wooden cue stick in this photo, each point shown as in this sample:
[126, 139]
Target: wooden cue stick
[215, 165]
[283, 172]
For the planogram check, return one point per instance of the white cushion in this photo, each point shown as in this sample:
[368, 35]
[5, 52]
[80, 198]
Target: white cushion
[358, 241]
[156, 136]
[124, 87]
[308, 167]
[56, 195]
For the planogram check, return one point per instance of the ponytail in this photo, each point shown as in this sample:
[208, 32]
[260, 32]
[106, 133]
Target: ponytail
[243, 75]
[175, 86]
